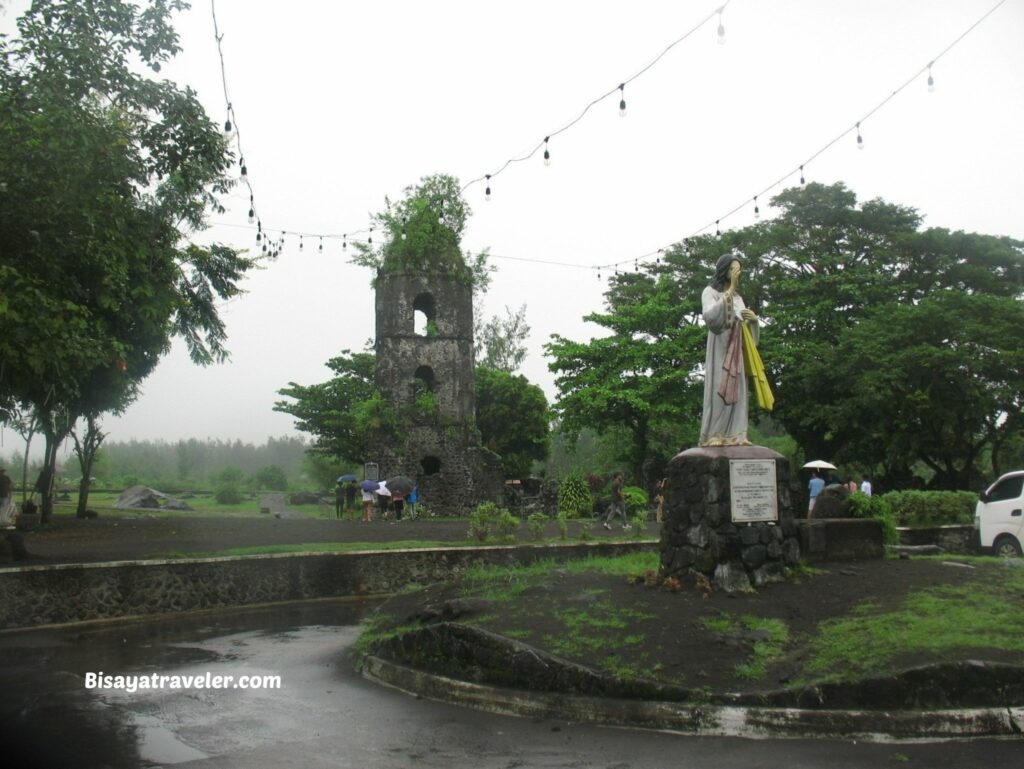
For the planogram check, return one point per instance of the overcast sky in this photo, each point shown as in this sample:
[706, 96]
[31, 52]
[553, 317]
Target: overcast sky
[341, 103]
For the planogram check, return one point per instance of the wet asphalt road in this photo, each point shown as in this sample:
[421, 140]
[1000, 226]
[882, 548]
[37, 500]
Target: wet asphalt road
[325, 715]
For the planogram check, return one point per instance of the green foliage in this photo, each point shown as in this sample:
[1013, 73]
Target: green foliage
[512, 416]
[431, 217]
[932, 508]
[563, 526]
[228, 494]
[877, 507]
[506, 525]
[638, 524]
[536, 522]
[501, 344]
[271, 477]
[636, 501]
[425, 405]
[574, 500]
[481, 520]
[969, 619]
[340, 411]
[105, 169]
[904, 339]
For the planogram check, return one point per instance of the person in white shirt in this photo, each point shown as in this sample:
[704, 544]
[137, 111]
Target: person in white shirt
[865, 485]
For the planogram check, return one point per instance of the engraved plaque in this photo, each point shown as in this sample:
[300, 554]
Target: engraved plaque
[752, 490]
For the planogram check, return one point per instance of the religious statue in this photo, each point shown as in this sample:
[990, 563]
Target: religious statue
[733, 334]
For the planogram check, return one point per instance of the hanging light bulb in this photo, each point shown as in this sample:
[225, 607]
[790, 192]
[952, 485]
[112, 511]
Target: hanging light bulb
[487, 192]
[801, 174]
[931, 80]
[259, 237]
[252, 210]
[860, 139]
[321, 249]
[300, 242]
[718, 231]
[622, 100]
[369, 240]
[599, 273]
[228, 128]
[721, 27]
[344, 242]
[547, 154]
[757, 211]
[404, 235]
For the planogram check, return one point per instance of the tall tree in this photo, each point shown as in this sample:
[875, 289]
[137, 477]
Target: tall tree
[103, 169]
[828, 278]
[643, 376]
[512, 416]
[501, 342]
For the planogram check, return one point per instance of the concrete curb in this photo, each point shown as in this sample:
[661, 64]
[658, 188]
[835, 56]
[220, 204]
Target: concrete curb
[702, 719]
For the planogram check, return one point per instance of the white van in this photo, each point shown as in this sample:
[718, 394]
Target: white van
[998, 517]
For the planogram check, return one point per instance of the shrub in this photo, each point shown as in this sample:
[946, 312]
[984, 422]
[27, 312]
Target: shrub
[636, 501]
[536, 523]
[228, 495]
[574, 500]
[563, 526]
[480, 521]
[639, 524]
[863, 506]
[932, 508]
[506, 524]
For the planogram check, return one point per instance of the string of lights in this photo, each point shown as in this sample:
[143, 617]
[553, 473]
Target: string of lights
[799, 169]
[273, 250]
[620, 88]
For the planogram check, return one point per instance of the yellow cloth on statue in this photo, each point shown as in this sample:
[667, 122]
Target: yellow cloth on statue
[755, 369]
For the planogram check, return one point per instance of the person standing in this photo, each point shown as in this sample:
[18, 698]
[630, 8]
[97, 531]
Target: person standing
[618, 504]
[851, 485]
[397, 504]
[817, 483]
[367, 506]
[6, 501]
[339, 500]
[350, 497]
[865, 485]
[659, 499]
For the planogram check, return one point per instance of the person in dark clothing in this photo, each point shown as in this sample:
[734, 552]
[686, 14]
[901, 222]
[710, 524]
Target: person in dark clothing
[618, 504]
[350, 496]
[339, 500]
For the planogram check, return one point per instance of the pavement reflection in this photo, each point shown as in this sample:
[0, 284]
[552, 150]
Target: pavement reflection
[324, 714]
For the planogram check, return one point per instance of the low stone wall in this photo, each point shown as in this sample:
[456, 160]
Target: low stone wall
[48, 595]
[840, 539]
[953, 539]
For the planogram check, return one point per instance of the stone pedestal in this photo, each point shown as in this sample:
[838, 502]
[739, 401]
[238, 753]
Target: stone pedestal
[699, 533]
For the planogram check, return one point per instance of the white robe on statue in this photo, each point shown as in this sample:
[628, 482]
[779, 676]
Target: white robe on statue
[723, 424]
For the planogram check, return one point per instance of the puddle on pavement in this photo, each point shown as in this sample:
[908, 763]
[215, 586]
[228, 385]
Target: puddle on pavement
[42, 692]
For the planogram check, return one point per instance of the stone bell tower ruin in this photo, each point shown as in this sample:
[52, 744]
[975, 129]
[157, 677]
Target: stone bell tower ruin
[424, 349]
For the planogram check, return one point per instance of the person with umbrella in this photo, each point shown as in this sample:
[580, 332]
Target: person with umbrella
[399, 486]
[368, 487]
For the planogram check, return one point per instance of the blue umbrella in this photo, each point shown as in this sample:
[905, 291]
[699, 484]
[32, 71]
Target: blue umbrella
[346, 477]
[369, 485]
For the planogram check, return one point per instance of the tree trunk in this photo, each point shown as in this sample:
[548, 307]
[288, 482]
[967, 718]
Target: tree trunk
[44, 484]
[24, 464]
[86, 451]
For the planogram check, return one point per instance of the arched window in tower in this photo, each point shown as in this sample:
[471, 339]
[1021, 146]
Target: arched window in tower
[430, 465]
[424, 312]
[423, 381]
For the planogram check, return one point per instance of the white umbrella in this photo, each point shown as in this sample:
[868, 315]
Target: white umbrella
[383, 489]
[821, 464]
